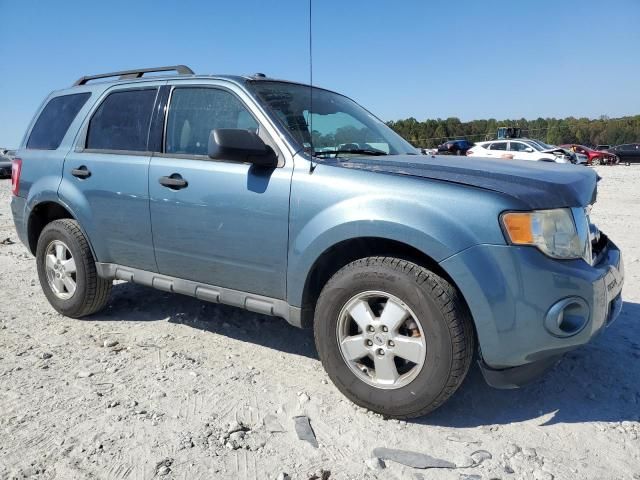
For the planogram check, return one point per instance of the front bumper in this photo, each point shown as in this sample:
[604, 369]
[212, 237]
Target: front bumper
[512, 291]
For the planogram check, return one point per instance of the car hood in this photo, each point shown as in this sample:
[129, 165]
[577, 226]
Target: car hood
[538, 185]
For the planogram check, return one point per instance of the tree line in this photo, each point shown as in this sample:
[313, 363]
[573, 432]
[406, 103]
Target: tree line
[555, 131]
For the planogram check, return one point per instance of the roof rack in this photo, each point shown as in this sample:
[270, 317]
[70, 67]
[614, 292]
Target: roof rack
[124, 74]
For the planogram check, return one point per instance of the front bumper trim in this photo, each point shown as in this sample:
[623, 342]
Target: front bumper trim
[516, 377]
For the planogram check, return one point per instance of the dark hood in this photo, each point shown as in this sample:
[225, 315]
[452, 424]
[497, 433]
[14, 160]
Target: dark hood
[539, 185]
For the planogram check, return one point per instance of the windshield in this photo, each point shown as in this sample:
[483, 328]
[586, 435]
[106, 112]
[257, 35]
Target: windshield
[339, 124]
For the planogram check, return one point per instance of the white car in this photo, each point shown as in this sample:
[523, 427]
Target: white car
[518, 149]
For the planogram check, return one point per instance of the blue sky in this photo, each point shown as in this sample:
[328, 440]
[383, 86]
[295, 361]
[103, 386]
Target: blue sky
[427, 59]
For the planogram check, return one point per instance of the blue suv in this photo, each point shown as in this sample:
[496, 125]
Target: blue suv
[291, 200]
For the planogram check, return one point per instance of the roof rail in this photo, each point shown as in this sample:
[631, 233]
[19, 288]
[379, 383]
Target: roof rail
[181, 69]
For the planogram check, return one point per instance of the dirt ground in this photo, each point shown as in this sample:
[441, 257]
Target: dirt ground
[153, 385]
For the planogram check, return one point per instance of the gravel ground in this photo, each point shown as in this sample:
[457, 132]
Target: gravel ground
[161, 385]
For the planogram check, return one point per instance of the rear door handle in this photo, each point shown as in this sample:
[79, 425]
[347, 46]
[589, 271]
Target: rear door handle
[81, 172]
[174, 181]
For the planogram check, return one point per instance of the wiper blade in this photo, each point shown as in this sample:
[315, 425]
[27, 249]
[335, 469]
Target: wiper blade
[355, 151]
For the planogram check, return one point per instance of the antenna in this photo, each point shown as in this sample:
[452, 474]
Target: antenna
[313, 151]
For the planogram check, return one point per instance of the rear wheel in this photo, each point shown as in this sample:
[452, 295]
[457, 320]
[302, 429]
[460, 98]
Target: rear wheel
[67, 270]
[393, 336]
[595, 162]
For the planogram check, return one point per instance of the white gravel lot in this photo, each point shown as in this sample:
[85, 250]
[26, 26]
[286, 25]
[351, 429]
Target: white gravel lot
[158, 403]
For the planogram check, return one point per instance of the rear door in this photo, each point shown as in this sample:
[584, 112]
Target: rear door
[227, 224]
[105, 177]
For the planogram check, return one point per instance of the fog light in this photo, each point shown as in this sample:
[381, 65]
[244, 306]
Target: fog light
[567, 317]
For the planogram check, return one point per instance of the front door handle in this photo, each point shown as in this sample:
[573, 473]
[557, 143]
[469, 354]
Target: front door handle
[173, 181]
[81, 172]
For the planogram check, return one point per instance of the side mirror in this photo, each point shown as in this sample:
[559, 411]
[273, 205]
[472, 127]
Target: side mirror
[528, 150]
[238, 145]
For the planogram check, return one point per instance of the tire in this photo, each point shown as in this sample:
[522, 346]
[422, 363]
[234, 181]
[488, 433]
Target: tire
[91, 292]
[595, 162]
[441, 322]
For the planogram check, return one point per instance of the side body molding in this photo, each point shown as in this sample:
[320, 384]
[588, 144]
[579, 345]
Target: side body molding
[209, 293]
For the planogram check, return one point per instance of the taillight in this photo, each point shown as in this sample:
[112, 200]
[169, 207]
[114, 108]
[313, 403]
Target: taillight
[16, 168]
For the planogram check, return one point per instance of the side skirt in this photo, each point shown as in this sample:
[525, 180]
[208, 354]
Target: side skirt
[202, 291]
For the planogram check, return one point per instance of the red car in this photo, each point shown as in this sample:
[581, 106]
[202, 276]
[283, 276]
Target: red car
[595, 157]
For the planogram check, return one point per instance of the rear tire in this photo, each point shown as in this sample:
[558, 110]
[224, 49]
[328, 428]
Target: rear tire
[435, 317]
[67, 270]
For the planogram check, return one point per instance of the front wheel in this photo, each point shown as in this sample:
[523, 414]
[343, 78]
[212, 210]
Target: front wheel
[393, 336]
[67, 270]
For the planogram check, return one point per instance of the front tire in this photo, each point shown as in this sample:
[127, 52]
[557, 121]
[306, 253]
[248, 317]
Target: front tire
[67, 270]
[393, 336]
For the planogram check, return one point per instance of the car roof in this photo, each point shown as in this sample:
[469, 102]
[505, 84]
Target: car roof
[104, 81]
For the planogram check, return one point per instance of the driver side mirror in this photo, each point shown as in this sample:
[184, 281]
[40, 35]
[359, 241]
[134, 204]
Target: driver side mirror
[238, 145]
[528, 150]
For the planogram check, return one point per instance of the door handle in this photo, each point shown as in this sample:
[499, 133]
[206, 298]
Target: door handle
[81, 172]
[174, 182]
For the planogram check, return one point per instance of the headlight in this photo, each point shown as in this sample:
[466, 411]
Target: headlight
[552, 231]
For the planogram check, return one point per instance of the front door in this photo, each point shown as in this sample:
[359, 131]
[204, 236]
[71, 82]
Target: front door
[221, 223]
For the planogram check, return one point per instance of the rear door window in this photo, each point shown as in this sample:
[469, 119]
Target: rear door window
[195, 111]
[54, 121]
[122, 121]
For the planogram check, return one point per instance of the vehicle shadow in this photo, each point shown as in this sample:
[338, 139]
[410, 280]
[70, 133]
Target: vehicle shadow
[135, 303]
[596, 383]
[599, 382]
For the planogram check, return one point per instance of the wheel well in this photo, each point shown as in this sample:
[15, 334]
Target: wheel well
[343, 253]
[43, 214]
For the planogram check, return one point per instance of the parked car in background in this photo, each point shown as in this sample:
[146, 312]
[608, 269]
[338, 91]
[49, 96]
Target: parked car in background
[519, 149]
[5, 164]
[628, 152]
[594, 157]
[455, 147]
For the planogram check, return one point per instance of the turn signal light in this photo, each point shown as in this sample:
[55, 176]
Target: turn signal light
[518, 226]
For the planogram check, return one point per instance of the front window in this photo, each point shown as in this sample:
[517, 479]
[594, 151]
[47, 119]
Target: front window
[326, 123]
[518, 147]
[195, 111]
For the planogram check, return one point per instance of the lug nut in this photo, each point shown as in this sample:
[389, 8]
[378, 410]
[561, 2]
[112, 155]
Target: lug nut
[370, 328]
[384, 328]
[391, 344]
[380, 351]
[369, 343]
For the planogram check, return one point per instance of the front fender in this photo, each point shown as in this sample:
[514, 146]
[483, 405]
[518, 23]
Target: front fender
[422, 225]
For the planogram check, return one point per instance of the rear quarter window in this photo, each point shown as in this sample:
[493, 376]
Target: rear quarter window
[54, 121]
[122, 121]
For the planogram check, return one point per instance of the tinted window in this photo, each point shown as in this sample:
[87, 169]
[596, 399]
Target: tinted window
[121, 122]
[518, 147]
[54, 121]
[194, 112]
[498, 146]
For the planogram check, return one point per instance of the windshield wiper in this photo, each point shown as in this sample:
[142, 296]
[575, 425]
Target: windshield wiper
[356, 151]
